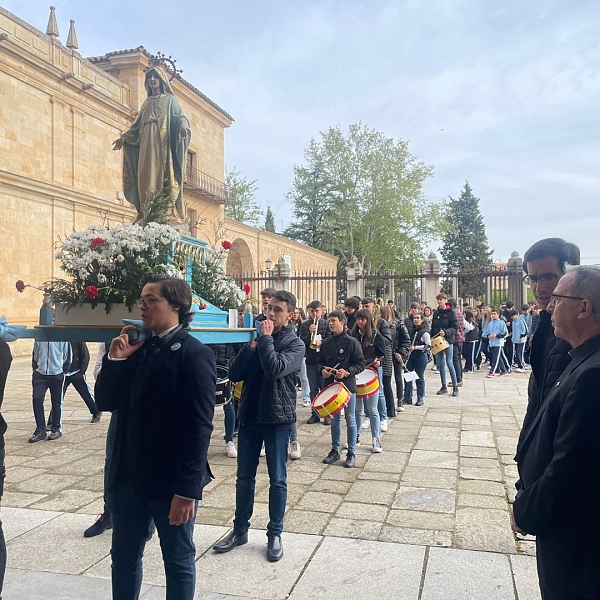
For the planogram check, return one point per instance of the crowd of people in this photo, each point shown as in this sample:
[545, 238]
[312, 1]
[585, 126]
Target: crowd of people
[156, 483]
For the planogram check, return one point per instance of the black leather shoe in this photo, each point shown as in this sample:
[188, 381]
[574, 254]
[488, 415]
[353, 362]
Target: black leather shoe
[332, 457]
[96, 418]
[350, 461]
[230, 541]
[455, 391]
[419, 402]
[38, 436]
[326, 421]
[54, 435]
[314, 418]
[442, 391]
[103, 523]
[274, 548]
[407, 401]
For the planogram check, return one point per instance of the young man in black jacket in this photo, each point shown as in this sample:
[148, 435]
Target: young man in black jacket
[266, 413]
[343, 356]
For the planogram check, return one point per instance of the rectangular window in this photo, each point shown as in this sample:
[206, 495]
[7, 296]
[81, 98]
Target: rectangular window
[193, 218]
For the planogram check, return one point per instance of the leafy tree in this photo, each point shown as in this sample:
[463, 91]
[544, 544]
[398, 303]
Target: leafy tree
[360, 195]
[270, 220]
[465, 243]
[243, 209]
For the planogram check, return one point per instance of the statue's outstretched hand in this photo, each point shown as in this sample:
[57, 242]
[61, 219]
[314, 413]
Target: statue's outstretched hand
[118, 144]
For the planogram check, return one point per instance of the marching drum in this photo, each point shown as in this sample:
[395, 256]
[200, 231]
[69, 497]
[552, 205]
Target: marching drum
[367, 383]
[331, 400]
[438, 343]
[223, 386]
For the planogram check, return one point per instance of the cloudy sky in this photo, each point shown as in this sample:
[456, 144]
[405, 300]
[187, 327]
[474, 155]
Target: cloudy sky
[502, 94]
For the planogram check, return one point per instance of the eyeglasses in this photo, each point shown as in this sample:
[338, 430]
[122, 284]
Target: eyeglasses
[553, 298]
[148, 301]
[544, 278]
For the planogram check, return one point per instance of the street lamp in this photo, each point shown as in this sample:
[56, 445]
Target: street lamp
[268, 264]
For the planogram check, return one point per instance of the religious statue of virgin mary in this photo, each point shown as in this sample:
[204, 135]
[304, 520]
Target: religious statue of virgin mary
[155, 145]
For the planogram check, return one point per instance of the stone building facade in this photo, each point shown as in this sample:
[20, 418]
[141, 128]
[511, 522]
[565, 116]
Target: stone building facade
[59, 113]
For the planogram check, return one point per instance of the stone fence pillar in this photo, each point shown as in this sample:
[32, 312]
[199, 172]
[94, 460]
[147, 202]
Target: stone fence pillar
[282, 273]
[355, 284]
[430, 280]
[517, 290]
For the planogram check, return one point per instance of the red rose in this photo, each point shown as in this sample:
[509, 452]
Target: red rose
[246, 289]
[226, 245]
[91, 291]
[20, 285]
[202, 306]
[98, 242]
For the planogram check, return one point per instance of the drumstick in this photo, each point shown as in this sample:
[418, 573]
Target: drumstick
[378, 358]
[330, 369]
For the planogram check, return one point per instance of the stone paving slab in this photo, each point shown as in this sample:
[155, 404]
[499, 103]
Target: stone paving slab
[17, 521]
[462, 575]
[526, 578]
[344, 569]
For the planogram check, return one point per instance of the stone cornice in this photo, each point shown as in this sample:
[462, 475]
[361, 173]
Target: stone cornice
[18, 185]
[231, 225]
[67, 85]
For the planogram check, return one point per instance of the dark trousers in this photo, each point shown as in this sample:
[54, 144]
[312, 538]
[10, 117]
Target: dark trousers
[469, 350]
[5, 362]
[398, 371]
[457, 360]
[498, 361]
[508, 351]
[389, 396]
[417, 362]
[2, 540]
[519, 357]
[83, 389]
[315, 382]
[131, 517]
[41, 384]
[250, 441]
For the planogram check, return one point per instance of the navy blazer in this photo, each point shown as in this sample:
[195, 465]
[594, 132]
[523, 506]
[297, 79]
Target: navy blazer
[166, 408]
[559, 466]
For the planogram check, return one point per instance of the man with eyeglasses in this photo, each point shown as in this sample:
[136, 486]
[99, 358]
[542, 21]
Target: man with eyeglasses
[164, 390]
[559, 455]
[544, 264]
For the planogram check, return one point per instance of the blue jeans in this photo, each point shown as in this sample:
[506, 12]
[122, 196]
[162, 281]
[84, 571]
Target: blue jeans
[417, 362]
[336, 427]
[371, 412]
[229, 410]
[315, 380]
[443, 358]
[250, 441]
[131, 516]
[304, 383]
[381, 404]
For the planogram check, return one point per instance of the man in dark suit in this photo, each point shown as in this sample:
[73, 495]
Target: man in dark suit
[164, 390]
[559, 454]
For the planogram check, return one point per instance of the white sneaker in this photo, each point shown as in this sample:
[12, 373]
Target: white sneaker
[262, 451]
[520, 370]
[307, 403]
[230, 450]
[366, 424]
[384, 425]
[400, 409]
[377, 446]
[295, 450]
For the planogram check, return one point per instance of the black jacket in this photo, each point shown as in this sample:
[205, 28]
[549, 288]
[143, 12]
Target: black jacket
[305, 335]
[166, 403]
[345, 350]
[410, 326]
[384, 329]
[350, 321]
[445, 319]
[549, 357]
[80, 357]
[268, 375]
[559, 463]
[376, 349]
[403, 339]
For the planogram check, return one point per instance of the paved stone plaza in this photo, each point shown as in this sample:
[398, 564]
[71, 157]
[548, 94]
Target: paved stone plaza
[428, 519]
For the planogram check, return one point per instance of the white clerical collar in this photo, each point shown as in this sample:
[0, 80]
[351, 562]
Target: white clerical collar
[166, 332]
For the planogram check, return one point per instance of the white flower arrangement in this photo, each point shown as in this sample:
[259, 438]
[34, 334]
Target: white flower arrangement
[109, 265]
